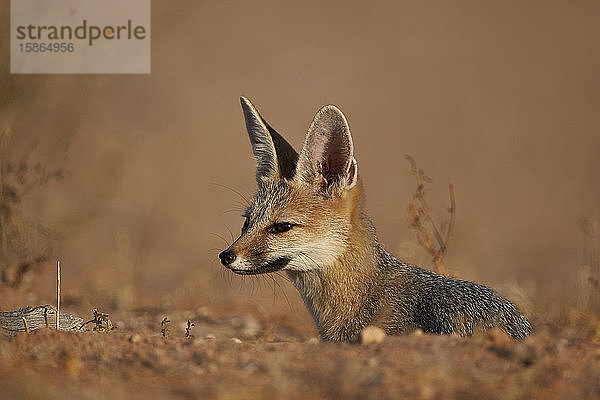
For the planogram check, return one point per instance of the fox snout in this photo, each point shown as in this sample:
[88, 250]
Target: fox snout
[227, 257]
[240, 265]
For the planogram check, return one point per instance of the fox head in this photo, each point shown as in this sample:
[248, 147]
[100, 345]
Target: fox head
[306, 205]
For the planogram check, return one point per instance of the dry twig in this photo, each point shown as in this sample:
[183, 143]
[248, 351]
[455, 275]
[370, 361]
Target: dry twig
[101, 321]
[163, 327]
[188, 329]
[435, 239]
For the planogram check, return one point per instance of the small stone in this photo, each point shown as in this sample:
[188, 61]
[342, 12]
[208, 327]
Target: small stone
[135, 338]
[236, 340]
[418, 332]
[250, 327]
[372, 335]
[249, 368]
[212, 368]
[561, 345]
[210, 336]
[203, 312]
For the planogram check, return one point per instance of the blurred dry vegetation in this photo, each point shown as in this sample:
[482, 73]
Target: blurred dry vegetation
[432, 236]
[24, 244]
[125, 177]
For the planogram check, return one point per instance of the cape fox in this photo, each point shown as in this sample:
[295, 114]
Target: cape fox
[307, 219]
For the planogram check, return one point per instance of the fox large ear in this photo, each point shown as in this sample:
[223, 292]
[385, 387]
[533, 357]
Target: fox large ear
[275, 157]
[327, 157]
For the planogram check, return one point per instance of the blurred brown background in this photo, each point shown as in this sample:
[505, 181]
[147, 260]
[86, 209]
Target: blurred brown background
[499, 98]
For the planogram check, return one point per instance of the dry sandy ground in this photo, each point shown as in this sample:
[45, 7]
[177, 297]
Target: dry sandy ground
[241, 357]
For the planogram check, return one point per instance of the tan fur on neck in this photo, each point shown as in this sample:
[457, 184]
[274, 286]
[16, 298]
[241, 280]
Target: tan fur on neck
[336, 294]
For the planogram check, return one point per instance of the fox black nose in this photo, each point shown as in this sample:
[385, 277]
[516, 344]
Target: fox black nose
[227, 257]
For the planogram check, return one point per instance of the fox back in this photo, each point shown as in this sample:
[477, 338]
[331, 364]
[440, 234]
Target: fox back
[308, 220]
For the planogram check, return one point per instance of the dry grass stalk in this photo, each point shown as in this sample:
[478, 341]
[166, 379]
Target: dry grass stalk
[57, 293]
[431, 236]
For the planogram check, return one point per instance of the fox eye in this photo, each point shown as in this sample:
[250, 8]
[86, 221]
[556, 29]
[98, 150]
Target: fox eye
[245, 226]
[280, 227]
